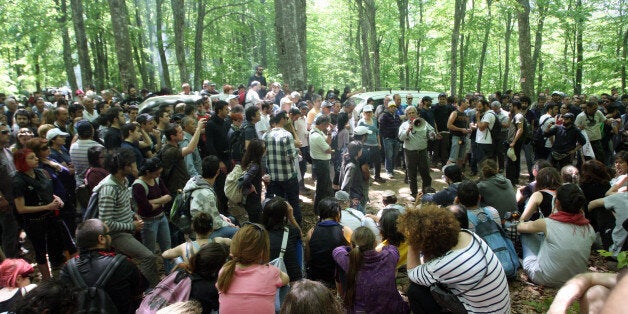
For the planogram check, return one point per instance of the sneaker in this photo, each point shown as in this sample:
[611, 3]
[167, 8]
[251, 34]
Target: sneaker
[391, 175]
[379, 180]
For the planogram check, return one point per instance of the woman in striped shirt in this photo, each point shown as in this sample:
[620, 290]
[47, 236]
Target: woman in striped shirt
[456, 258]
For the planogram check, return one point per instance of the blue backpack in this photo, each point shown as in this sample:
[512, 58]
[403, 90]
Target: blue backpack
[497, 240]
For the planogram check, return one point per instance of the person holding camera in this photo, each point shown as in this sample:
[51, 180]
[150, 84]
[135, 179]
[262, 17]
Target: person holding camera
[415, 134]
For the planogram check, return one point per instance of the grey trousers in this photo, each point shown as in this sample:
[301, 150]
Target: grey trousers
[126, 244]
[417, 161]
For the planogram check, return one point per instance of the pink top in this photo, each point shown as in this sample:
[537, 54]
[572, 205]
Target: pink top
[252, 290]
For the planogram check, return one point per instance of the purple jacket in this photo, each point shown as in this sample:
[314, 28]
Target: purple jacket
[389, 125]
[376, 288]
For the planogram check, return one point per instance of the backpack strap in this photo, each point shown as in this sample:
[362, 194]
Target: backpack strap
[109, 270]
[140, 181]
[76, 277]
[356, 217]
[284, 241]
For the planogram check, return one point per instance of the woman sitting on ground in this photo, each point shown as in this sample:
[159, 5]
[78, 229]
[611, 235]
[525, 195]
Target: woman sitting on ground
[370, 275]
[327, 235]
[594, 184]
[310, 297]
[496, 190]
[540, 203]
[563, 250]
[391, 235]
[204, 267]
[456, 258]
[202, 227]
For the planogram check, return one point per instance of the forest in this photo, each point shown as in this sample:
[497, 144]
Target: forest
[458, 46]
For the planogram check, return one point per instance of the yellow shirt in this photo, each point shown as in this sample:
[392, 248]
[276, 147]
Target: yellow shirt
[403, 252]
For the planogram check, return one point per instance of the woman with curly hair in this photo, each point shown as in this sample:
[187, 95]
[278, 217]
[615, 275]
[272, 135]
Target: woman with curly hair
[370, 275]
[456, 258]
[495, 189]
[540, 203]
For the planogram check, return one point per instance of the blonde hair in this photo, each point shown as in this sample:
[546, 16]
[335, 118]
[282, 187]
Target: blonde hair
[250, 245]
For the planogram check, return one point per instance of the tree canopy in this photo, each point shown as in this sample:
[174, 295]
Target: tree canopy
[459, 46]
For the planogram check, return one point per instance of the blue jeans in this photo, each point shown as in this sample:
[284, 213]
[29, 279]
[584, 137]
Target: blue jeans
[531, 245]
[157, 230]
[224, 232]
[458, 151]
[289, 190]
[391, 149]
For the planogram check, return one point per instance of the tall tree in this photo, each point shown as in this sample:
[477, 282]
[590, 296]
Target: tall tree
[363, 44]
[507, 35]
[178, 24]
[525, 49]
[487, 31]
[404, 68]
[65, 37]
[201, 12]
[579, 48]
[542, 7]
[163, 62]
[81, 42]
[146, 67]
[459, 13]
[290, 35]
[124, 52]
[370, 10]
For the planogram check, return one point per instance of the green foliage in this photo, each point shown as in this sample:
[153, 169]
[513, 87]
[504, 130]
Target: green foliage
[622, 257]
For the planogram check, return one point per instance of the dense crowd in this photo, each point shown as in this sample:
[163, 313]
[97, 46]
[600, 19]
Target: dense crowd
[163, 184]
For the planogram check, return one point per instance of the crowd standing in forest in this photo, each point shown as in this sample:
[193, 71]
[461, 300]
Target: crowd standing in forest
[171, 177]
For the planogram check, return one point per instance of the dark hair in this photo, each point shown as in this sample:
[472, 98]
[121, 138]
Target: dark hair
[468, 193]
[489, 168]
[112, 114]
[189, 109]
[160, 112]
[279, 115]
[87, 233]
[388, 227]
[150, 165]
[343, 119]
[250, 112]
[525, 99]
[202, 223]
[210, 166]
[73, 108]
[515, 104]
[320, 120]
[171, 129]
[310, 297]
[253, 153]
[594, 171]
[571, 198]
[274, 214]
[93, 156]
[119, 158]
[328, 208]
[623, 156]
[540, 164]
[50, 296]
[127, 128]
[219, 105]
[353, 148]
[362, 240]
[431, 230]
[548, 178]
[208, 260]
[22, 112]
[460, 212]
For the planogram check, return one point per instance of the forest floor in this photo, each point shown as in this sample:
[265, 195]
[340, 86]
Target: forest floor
[526, 297]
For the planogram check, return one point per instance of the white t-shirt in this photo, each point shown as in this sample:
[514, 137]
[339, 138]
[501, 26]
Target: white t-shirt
[484, 137]
[262, 126]
[544, 123]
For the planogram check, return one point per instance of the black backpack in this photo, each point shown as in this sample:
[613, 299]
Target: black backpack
[91, 211]
[236, 142]
[94, 299]
[180, 211]
[538, 139]
[497, 128]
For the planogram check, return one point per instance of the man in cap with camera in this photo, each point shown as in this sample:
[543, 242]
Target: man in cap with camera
[415, 134]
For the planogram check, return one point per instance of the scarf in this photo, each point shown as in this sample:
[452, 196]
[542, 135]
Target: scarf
[576, 219]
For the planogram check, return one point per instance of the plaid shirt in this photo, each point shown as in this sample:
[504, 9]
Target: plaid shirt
[281, 154]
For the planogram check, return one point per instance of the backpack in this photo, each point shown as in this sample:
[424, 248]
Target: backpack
[497, 240]
[496, 130]
[526, 137]
[233, 185]
[174, 288]
[236, 142]
[94, 299]
[180, 215]
[538, 139]
[91, 211]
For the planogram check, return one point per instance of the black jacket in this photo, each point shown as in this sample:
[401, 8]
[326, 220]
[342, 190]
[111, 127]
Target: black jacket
[216, 137]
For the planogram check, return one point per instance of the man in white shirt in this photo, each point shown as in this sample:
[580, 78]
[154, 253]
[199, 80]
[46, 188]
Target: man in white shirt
[590, 120]
[263, 125]
[252, 97]
[300, 127]
[320, 151]
[545, 122]
[486, 118]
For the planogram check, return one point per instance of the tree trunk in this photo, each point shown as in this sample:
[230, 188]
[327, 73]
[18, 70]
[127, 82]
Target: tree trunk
[374, 40]
[418, 50]
[290, 35]
[538, 37]
[365, 58]
[178, 24]
[579, 48]
[525, 57]
[160, 46]
[487, 31]
[509, 26]
[198, 44]
[402, 61]
[459, 12]
[124, 52]
[147, 66]
[81, 42]
[624, 57]
[65, 39]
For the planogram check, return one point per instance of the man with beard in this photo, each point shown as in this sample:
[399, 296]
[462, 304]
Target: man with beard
[259, 77]
[567, 141]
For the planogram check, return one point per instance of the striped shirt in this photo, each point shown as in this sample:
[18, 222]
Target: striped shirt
[460, 270]
[78, 154]
[114, 205]
[281, 154]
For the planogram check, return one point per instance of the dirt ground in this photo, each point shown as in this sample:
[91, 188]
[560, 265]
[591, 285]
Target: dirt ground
[526, 297]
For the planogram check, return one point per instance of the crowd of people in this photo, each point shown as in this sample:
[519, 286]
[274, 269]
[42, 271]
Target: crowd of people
[61, 156]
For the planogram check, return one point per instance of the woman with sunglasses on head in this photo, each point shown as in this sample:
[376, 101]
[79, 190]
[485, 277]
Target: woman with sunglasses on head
[247, 283]
[38, 208]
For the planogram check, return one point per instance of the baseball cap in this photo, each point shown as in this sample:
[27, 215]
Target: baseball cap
[388, 193]
[326, 104]
[331, 96]
[144, 117]
[361, 130]
[79, 92]
[54, 133]
[368, 108]
[83, 128]
[442, 95]
[391, 104]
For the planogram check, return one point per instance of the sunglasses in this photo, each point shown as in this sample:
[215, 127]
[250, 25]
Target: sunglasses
[5, 132]
[44, 147]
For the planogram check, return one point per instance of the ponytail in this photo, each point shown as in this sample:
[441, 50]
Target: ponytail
[356, 258]
[225, 278]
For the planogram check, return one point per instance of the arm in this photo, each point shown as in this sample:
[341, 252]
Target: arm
[451, 120]
[174, 252]
[412, 258]
[285, 279]
[247, 178]
[23, 209]
[106, 210]
[575, 288]
[518, 134]
[532, 226]
[595, 204]
[194, 141]
[347, 232]
[618, 185]
[404, 131]
[532, 206]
